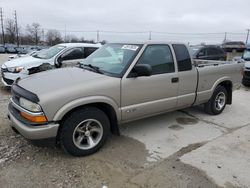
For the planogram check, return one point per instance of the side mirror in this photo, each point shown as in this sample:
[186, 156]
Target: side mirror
[60, 59]
[58, 62]
[141, 70]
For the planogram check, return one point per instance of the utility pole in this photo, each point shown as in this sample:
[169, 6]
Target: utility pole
[150, 35]
[65, 33]
[17, 35]
[97, 36]
[225, 38]
[247, 35]
[1, 15]
[43, 36]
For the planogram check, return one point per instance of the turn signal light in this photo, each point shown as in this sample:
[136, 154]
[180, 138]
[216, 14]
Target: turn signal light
[35, 119]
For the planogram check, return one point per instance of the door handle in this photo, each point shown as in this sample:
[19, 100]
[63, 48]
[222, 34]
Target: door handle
[175, 80]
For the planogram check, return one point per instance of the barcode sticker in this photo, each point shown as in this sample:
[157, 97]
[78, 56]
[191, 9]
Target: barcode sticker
[130, 47]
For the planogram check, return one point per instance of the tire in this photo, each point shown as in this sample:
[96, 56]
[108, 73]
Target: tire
[85, 131]
[217, 102]
[245, 84]
[15, 130]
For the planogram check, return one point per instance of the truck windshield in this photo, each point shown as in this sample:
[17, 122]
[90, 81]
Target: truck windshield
[113, 58]
[49, 53]
[246, 55]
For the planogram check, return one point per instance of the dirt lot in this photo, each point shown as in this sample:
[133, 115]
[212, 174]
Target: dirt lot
[150, 153]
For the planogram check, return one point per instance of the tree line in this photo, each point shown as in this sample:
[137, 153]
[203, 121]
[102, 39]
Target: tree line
[34, 34]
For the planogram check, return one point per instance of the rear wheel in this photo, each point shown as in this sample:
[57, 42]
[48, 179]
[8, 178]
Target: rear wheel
[217, 102]
[85, 131]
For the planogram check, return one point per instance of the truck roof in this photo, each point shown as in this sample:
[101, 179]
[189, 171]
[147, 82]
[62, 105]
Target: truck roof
[148, 42]
[80, 45]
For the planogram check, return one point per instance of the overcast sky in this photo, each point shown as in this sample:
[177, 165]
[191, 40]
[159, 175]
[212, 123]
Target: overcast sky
[178, 16]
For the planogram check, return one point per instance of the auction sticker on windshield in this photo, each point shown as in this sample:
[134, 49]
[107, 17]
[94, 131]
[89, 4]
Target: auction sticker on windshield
[130, 47]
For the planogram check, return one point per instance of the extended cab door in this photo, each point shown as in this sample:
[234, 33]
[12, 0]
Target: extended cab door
[148, 95]
[187, 74]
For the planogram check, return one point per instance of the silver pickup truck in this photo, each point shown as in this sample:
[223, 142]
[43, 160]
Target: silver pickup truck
[78, 107]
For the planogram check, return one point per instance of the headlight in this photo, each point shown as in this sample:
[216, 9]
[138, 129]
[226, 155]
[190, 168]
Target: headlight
[11, 69]
[15, 69]
[28, 105]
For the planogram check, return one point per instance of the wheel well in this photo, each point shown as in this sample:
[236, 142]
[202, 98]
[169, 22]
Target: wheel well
[229, 87]
[106, 108]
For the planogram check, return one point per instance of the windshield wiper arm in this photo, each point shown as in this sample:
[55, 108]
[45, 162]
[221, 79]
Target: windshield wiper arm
[94, 68]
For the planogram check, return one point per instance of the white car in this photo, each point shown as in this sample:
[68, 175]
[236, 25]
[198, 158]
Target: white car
[22, 55]
[61, 55]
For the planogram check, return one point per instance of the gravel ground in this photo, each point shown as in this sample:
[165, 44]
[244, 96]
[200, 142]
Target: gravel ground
[122, 162]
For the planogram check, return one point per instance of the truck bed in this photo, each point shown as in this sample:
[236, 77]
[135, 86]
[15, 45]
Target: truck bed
[203, 63]
[210, 73]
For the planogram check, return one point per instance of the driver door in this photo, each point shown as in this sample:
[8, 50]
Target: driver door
[145, 96]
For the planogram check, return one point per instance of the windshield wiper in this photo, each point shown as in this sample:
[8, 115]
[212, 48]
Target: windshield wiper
[91, 67]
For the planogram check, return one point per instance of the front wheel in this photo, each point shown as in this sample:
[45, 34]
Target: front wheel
[217, 102]
[85, 131]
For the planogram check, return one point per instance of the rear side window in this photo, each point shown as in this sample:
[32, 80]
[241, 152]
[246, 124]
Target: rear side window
[182, 57]
[89, 50]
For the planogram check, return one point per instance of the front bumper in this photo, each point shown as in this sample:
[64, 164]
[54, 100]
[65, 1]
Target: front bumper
[33, 132]
[7, 82]
[8, 78]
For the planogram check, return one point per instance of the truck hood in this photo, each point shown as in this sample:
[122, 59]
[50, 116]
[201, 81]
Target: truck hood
[58, 87]
[53, 81]
[26, 61]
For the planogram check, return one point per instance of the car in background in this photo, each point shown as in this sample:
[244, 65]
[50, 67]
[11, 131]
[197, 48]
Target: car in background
[246, 72]
[30, 53]
[21, 50]
[61, 55]
[2, 49]
[231, 46]
[209, 52]
[10, 50]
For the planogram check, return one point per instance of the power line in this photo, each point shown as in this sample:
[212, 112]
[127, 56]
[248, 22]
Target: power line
[176, 33]
[71, 31]
[146, 32]
[1, 15]
[124, 32]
